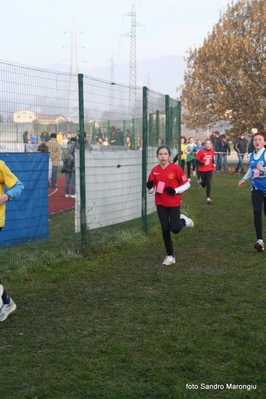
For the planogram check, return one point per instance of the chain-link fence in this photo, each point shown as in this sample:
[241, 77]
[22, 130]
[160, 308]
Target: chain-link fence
[118, 129]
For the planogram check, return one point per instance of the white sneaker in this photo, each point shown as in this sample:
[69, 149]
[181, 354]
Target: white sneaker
[1, 294]
[67, 195]
[73, 196]
[7, 309]
[189, 222]
[259, 246]
[208, 201]
[169, 260]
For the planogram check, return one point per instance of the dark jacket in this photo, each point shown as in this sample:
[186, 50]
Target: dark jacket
[241, 145]
[87, 145]
[217, 144]
[225, 147]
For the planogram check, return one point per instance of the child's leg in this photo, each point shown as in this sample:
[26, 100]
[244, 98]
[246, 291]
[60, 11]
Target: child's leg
[188, 169]
[3, 296]
[208, 183]
[257, 198]
[165, 225]
[176, 224]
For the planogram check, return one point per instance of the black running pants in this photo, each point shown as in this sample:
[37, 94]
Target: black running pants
[170, 221]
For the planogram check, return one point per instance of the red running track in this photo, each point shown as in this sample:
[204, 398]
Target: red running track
[57, 201]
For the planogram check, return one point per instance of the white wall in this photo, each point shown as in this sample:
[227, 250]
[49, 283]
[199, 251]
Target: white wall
[113, 194]
[12, 147]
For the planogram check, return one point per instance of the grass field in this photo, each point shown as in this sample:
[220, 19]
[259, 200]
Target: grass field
[118, 325]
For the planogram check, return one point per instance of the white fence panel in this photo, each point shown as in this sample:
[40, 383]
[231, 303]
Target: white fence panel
[113, 188]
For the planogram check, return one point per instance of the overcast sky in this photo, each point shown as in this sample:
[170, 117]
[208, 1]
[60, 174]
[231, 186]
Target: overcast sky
[39, 33]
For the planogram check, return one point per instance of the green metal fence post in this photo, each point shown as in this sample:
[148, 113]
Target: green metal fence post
[171, 127]
[82, 181]
[150, 129]
[157, 127]
[144, 157]
[167, 121]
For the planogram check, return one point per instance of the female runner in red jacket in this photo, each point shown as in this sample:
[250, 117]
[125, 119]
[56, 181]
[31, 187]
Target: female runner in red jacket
[169, 181]
[206, 165]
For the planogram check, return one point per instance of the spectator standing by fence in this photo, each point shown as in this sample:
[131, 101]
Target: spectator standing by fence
[106, 141]
[87, 145]
[113, 136]
[55, 152]
[217, 146]
[119, 137]
[44, 137]
[69, 169]
[26, 137]
[241, 147]
[169, 182]
[34, 138]
[65, 140]
[43, 148]
[128, 143]
[59, 137]
[225, 150]
[14, 189]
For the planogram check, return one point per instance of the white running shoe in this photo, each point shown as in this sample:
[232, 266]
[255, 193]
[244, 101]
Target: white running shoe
[1, 294]
[208, 201]
[73, 196]
[169, 260]
[7, 309]
[67, 195]
[259, 246]
[189, 222]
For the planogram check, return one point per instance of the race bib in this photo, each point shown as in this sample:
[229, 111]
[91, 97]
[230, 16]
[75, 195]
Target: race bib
[256, 172]
[160, 187]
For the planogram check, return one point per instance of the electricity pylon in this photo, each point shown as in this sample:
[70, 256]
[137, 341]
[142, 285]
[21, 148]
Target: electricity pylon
[133, 62]
[72, 99]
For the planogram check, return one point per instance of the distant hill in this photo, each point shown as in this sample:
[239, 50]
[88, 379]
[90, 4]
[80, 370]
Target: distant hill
[163, 74]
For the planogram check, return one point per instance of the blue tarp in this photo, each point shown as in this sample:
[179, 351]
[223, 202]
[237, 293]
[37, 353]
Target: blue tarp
[27, 216]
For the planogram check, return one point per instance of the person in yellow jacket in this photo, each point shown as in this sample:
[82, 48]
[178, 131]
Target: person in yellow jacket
[14, 189]
[59, 138]
[183, 153]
